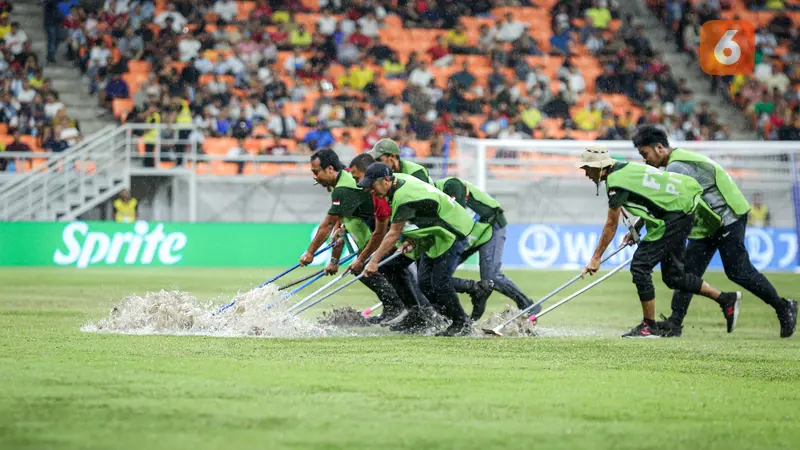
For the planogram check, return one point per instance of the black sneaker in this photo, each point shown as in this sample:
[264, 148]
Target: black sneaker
[479, 295]
[669, 327]
[643, 330]
[388, 315]
[457, 329]
[414, 322]
[730, 308]
[788, 319]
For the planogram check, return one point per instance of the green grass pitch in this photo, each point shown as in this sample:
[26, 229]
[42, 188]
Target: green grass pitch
[61, 388]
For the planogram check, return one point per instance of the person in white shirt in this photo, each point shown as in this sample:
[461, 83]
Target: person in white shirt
[327, 23]
[232, 64]
[27, 93]
[178, 21]
[421, 76]
[189, 47]
[227, 10]
[344, 149]
[15, 39]
[117, 7]
[575, 81]
[295, 61]
[347, 26]
[52, 107]
[99, 55]
[254, 110]
[369, 25]
[282, 125]
[394, 111]
[217, 85]
[510, 30]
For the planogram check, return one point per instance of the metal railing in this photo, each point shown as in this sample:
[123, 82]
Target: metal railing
[67, 181]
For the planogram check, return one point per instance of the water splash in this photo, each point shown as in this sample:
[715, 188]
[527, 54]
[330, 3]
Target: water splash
[179, 313]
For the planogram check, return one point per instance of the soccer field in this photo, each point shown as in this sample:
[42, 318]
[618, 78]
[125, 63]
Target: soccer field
[578, 385]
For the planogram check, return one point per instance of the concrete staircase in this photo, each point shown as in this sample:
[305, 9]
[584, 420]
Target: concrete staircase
[72, 87]
[687, 67]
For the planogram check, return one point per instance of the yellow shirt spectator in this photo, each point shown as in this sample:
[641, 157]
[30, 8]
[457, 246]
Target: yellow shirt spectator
[456, 38]
[775, 5]
[36, 83]
[4, 29]
[280, 17]
[588, 120]
[531, 117]
[360, 77]
[599, 17]
[737, 83]
[300, 38]
[391, 68]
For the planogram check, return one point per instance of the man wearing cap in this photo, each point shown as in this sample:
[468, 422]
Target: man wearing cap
[404, 279]
[355, 209]
[487, 238]
[672, 210]
[438, 227]
[388, 152]
[725, 198]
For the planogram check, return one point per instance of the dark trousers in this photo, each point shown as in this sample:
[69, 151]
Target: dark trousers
[436, 281]
[491, 265]
[729, 241]
[670, 251]
[384, 290]
[53, 38]
[399, 277]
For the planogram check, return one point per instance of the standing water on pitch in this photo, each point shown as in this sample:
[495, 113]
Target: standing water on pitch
[179, 313]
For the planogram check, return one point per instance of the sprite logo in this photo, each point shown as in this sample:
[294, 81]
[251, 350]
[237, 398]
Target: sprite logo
[85, 247]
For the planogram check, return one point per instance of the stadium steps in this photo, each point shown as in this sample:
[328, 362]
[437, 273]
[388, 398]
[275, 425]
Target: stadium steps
[67, 79]
[685, 66]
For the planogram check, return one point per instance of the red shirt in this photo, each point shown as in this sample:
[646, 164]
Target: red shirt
[437, 52]
[382, 209]
[360, 40]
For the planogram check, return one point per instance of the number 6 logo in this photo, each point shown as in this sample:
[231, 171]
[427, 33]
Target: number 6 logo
[727, 47]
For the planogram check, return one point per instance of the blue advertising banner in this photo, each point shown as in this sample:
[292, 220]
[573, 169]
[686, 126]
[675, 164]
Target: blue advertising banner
[545, 246]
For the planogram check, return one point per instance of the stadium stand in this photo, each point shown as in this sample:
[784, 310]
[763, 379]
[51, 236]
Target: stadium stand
[32, 119]
[770, 96]
[276, 77]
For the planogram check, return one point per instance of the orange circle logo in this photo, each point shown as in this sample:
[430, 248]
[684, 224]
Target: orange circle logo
[727, 47]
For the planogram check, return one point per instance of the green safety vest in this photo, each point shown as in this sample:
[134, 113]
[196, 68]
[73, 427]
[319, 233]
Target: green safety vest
[409, 168]
[355, 226]
[668, 191]
[727, 188]
[453, 223]
[478, 200]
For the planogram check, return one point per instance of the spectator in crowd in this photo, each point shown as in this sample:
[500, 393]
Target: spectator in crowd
[759, 216]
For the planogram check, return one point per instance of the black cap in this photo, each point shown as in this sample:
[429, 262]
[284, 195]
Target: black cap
[375, 172]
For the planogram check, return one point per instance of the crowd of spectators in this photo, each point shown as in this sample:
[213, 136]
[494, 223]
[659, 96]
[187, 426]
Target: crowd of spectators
[31, 116]
[770, 96]
[301, 75]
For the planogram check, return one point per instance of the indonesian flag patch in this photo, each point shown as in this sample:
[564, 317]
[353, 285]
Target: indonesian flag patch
[611, 192]
[336, 203]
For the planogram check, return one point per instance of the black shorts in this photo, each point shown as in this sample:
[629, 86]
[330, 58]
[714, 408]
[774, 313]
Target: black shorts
[670, 251]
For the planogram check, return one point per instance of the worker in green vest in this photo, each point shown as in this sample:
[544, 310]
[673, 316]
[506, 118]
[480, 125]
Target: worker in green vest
[725, 198]
[667, 203]
[388, 152]
[354, 208]
[490, 230]
[438, 227]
